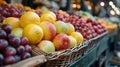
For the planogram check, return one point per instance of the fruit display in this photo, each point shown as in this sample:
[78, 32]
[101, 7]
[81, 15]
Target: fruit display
[49, 31]
[108, 25]
[9, 10]
[86, 26]
[12, 49]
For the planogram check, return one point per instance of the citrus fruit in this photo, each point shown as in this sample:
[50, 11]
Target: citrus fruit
[34, 33]
[14, 22]
[48, 16]
[28, 18]
[78, 36]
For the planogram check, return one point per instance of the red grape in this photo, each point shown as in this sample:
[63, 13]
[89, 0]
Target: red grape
[7, 28]
[28, 48]
[3, 34]
[9, 60]
[3, 44]
[15, 41]
[25, 55]
[24, 41]
[20, 49]
[9, 51]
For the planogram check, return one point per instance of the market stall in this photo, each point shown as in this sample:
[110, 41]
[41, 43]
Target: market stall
[47, 36]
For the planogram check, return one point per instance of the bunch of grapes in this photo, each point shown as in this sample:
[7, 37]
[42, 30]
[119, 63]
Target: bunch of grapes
[12, 48]
[88, 28]
[61, 17]
[7, 10]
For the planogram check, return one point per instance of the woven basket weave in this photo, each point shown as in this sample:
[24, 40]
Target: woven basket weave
[93, 42]
[63, 57]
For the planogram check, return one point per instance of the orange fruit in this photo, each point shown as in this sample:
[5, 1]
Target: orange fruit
[28, 18]
[14, 22]
[78, 36]
[70, 28]
[34, 33]
[48, 16]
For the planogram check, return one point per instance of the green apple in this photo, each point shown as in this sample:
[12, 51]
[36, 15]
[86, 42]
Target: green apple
[46, 46]
[61, 27]
[73, 41]
[17, 32]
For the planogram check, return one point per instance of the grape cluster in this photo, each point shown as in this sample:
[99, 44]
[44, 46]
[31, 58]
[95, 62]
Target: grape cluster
[87, 27]
[7, 10]
[61, 17]
[12, 48]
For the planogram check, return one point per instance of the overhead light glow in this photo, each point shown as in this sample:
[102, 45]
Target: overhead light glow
[113, 6]
[74, 5]
[102, 3]
[78, 6]
[112, 12]
[110, 3]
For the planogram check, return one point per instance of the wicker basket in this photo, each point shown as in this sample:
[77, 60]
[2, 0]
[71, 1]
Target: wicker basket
[63, 57]
[93, 42]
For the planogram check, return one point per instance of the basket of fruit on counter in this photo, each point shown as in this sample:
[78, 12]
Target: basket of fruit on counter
[57, 35]
[34, 33]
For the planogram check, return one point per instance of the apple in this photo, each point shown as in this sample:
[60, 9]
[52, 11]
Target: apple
[70, 28]
[49, 30]
[17, 32]
[73, 41]
[61, 27]
[61, 41]
[46, 46]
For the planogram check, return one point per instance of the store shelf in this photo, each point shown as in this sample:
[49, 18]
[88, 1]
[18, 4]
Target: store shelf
[84, 61]
[95, 53]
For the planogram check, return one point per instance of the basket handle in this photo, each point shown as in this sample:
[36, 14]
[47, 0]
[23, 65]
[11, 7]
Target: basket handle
[30, 62]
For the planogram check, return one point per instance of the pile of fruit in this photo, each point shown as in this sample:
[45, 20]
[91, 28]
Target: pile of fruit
[45, 32]
[48, 31]
[9, 10]
[12, 49]
[108, 25]
[86, 26]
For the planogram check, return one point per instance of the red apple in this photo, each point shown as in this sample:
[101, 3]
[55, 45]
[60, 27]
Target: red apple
[61, 41]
